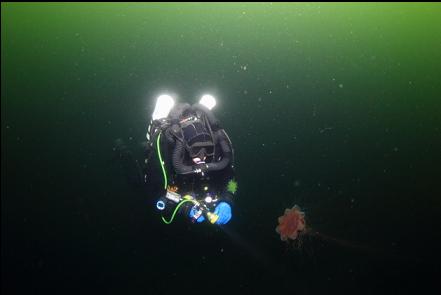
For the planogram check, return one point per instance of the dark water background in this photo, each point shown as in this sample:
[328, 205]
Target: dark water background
[334, 107]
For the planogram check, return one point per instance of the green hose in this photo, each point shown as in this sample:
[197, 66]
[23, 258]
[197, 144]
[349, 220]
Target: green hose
[165, 184]
[176, 210]
[162, 162]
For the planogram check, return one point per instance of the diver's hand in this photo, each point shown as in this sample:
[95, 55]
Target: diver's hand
[200, 168]
[193, 212]
[223, 210]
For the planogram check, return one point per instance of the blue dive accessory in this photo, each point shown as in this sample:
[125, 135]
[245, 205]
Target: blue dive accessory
[196, 214]
[200, 211]
[169, 196]
[160, 204]
[223, 210]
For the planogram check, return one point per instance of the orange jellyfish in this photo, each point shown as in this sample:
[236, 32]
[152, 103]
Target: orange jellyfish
[291, 224]
[293, 230]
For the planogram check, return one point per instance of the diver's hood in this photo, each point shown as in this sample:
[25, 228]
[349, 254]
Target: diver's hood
[198, 141]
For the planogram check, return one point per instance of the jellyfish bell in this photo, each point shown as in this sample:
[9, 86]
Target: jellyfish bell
[291, 223]
[293, 230]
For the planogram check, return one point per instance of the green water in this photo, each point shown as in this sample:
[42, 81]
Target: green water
[333, 107]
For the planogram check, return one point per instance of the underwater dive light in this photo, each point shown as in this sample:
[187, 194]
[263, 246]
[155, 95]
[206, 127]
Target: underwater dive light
[164, 104]
[208, 100]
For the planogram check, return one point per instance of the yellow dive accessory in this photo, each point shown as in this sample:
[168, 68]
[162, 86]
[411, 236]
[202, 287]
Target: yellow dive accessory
[212, 217]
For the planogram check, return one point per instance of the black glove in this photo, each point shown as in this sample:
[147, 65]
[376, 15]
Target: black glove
[200, 168]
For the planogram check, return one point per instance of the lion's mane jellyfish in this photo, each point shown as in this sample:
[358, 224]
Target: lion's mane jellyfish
[291, 224]
[292, 229]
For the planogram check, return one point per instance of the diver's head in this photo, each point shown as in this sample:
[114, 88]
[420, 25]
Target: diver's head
[199, 143]
[200, 151]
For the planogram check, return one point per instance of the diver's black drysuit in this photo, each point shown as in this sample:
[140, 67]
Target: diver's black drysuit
[167, 144]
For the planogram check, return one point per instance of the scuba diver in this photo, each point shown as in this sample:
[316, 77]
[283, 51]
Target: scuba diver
[194, 155]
